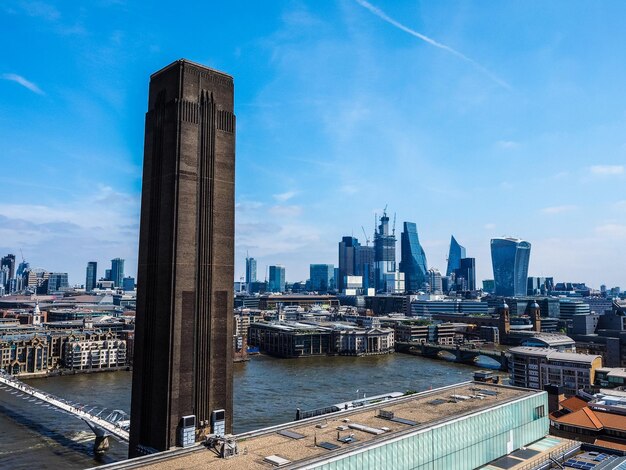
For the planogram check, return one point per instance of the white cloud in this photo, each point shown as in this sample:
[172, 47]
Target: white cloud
[558, 209]
[99, 228]
[13, 77]
[349, 189]
[607, 169]
[282, 197]
[612, 230]
[507, 144]
[383, 16]
[285, 211]
[41, 9]
[490, 226]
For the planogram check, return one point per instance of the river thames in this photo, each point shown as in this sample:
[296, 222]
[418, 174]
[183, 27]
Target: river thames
[267, 392]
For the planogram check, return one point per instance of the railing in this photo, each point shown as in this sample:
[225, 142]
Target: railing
[560, 455]
[115, 422]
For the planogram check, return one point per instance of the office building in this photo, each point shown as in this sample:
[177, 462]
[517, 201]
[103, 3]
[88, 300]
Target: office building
[465, 275]
[88, 354]
[277, 279]
[539, 285]
[8, 262]
[510, 257]
[4, 280]
[455, 255]
[128, 284]
[250, 271]
[570, 307]
[384, 253]
[117, 271]
[183, 356]
[293, 339]
[92, 276]
[533, 367]
[347, 260]
[57, 282]
[413, 259]
[434, 281]
[321, 276]
[420, 307]
[364, 265]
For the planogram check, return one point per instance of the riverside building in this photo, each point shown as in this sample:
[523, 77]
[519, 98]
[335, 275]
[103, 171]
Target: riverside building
[536, 367]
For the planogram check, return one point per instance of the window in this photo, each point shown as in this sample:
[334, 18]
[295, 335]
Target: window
[540, 412]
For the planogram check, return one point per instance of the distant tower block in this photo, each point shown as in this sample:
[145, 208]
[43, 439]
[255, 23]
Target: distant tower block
[504, 324]
[535, 316]
[183, 344]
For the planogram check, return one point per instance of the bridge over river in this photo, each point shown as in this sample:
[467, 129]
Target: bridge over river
[464, 355]
[115, 423]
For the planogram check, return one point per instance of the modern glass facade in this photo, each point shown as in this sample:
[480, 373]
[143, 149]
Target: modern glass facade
[57, 282]
[277, 279]
[117, 271]
[348, 247]
[364, 265]
[456, 253]
[510, 258]
[463, 443]
[92, 276]
[321, 276]
[413, 262]
[250, 270]
[465, 275]
[384, 253]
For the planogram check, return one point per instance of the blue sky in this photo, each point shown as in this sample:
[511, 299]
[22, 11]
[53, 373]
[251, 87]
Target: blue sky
[477, 119]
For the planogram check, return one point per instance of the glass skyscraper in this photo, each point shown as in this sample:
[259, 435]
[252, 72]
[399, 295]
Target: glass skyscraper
[456, 254]
[250, 271]
[384, 253]
[277, 279]
[92, 276]
[117, 271]
[348, 247]
[364, 265]
[321, 276]
[510, 257]
[413, 259]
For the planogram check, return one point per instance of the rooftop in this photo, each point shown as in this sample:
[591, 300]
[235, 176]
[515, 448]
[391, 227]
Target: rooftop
[614, 371]
[555, 355]
[311, 439]
[195, 64]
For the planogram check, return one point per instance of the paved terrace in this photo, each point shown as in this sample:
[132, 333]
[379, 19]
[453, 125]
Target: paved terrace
[420, 411]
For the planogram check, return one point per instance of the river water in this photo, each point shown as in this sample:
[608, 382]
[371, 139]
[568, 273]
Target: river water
[267, 392]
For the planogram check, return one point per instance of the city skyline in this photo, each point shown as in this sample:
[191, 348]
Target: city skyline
[519, 135]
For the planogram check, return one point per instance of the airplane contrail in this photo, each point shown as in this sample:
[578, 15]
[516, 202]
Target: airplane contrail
[383, 16]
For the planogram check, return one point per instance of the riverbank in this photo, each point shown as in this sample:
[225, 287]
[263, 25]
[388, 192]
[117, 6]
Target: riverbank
[60, 372]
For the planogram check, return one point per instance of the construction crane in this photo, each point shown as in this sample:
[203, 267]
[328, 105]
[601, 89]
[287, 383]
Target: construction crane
[393, 231]
[367, 240]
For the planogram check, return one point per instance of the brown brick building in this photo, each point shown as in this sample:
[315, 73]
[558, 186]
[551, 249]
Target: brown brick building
[183, 338]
